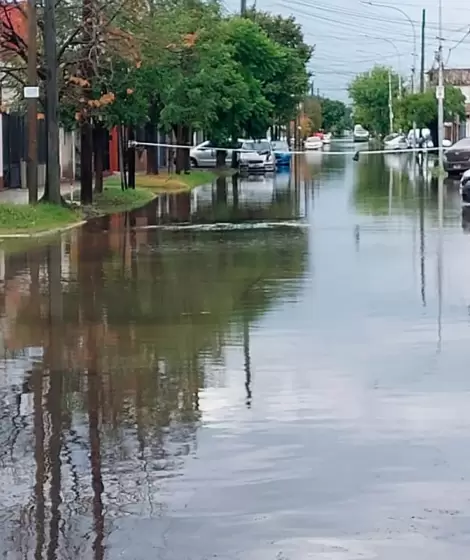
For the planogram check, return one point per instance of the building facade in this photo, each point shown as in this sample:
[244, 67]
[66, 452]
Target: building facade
[459, 78]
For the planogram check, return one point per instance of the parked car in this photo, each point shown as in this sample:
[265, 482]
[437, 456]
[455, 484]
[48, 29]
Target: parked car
[257, 156]
[457, 157]
[281, 153]
[205, 155]
[360, 134]
[327, 138]
[465, 188]
[395, 141]
[313, 143]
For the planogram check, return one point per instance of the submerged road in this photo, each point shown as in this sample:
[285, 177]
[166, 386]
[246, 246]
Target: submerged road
[259, 370]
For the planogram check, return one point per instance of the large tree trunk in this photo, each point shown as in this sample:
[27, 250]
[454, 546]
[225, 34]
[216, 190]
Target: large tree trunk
[99, 135]
[86, 162]
[187, 142]
[151, 136]
[131, 158]
[122, 162]
[179, 151]
[220, 158]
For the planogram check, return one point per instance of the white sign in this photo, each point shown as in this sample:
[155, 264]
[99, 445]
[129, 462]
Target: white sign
[440, 92]
[31, 92]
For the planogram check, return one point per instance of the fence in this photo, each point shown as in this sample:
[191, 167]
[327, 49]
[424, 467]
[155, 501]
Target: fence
[15, 147]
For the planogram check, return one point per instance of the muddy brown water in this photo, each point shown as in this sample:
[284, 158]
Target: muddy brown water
[261, 369]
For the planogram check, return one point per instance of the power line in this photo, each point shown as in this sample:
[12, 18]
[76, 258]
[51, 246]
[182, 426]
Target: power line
[362, 15]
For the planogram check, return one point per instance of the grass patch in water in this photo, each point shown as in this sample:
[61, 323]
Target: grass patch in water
[114, 199]
[25, 218]
[168, 182]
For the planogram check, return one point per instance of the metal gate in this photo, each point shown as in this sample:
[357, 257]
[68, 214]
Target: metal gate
[13, 149]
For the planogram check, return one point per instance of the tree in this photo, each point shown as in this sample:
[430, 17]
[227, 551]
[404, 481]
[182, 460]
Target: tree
[292, 80]
[335, 115]
[313, 113]
[422, 108]
[370, 94]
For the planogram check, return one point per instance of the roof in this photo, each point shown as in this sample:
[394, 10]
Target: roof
[452, 76]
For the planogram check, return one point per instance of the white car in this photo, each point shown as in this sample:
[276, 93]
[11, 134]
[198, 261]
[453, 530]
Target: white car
[204, 155]
[313, 143]
[257, 156]
[395, 141]
[360, 134]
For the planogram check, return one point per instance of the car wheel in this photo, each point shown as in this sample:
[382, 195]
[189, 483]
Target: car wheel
[193, 162]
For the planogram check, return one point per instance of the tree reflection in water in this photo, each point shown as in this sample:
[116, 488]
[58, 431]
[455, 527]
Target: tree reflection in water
[125, 326]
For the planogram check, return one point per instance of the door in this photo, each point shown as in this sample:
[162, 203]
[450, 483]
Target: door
[206, 155]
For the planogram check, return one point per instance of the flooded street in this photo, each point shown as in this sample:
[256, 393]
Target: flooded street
[257, 370]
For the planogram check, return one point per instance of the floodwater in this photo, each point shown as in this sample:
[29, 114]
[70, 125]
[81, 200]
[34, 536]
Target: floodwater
[258, 370]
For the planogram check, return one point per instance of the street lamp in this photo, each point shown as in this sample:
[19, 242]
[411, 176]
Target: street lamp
[394, 45]
[380, 5]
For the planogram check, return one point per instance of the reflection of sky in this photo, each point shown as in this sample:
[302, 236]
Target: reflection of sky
[346, 34]
[354, 445]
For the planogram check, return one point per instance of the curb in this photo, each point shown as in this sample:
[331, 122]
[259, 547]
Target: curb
[41, 233]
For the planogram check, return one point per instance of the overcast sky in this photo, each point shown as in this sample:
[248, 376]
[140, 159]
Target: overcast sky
[347, 35]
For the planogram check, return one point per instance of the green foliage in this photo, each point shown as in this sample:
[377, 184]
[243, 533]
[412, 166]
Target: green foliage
[313, 112]
[422, 108]
[292, 79]
[370, 95]
[336, 116]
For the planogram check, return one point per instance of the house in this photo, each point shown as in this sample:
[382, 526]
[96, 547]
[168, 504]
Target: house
[459, 78]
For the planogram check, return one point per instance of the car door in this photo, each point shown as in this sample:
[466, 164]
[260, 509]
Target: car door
[206, 155]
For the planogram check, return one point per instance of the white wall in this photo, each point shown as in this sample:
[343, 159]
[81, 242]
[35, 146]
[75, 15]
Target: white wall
[466, 91]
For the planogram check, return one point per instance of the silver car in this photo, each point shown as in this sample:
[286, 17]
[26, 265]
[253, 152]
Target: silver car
[257, 156]
[204, 155]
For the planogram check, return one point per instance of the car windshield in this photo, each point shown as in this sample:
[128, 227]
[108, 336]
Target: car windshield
[462, 144]
[281, 146]
[257, 146]
[391, 137]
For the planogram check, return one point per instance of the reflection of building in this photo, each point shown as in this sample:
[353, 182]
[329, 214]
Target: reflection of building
[459, 78]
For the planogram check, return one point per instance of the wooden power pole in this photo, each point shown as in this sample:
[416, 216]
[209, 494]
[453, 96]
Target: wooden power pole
[32, 160]
[243, 7]
[52, 102]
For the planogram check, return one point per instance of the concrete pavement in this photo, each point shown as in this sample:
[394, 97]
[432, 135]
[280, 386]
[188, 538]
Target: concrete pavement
[20, 196]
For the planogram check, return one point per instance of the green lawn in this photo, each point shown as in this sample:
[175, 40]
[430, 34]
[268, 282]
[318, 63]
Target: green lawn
[164, 182]
[114, 199]
[23, 218]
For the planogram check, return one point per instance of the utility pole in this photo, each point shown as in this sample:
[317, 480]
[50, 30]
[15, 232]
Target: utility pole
[243, 7]
[390, 101]
[440, 92]
[32, 161]
[52, 102]
[1, 136]
[423, 27]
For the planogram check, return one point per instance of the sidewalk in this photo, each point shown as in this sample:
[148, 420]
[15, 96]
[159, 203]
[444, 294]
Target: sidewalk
[20, 196]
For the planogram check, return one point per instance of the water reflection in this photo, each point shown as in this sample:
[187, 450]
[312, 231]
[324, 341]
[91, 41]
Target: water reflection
[118, 333]
[231, 200]
[242, 392]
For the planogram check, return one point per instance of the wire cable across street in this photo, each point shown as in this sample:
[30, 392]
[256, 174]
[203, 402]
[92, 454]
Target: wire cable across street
[136, 144]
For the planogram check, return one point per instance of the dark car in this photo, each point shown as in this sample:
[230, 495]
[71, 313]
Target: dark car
[465, 188]
[457, 157]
